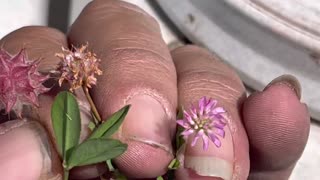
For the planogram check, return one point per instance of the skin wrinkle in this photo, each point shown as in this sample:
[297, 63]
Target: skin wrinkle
[156, 79]
[213, 71]
[204, 71]
[152, 143]
[213, 93]
[41, 36]
[142, 50]
[127, 61]
[137, 43]
[44, 37]
[132, 40]
[224, 86]
[128, 64]
[221, 93]
[34, 38]
[101, 14]
[11, 125]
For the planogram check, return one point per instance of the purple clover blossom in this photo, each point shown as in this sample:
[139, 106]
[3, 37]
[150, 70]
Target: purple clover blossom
[206, 121]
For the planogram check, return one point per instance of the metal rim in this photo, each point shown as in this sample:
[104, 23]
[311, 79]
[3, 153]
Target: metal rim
[270, 56]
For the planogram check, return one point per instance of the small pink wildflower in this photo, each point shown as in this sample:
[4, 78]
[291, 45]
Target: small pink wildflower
[20, 81]
[206, 121]
[78, 67]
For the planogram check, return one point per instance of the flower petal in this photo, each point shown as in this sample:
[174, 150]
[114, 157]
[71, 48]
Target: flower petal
[220, 132]
[215, 139]
[187, 132]
[218, 110]
[182, 123]
[185, 113]
[190, 120]
[205, 142]
[218, 124]
[193, 143]
[217, 142]
[218, 117]
[211, 103]
[10, 102]
[194, 112]
[202, 103]
[200, 133]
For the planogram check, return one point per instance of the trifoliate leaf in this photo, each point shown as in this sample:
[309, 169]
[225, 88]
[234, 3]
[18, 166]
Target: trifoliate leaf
[65, 116]
[94, 151]
[111, 125]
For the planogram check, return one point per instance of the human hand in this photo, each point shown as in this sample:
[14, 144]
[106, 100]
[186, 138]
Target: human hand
[267, 130]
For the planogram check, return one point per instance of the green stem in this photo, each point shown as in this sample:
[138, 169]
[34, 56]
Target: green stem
[93, 107]
[66, 174]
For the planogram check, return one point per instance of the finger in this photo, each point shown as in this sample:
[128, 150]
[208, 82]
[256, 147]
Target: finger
[39, 43]
[202, 74]
[278, 125]
[25, 142]
[137, 69]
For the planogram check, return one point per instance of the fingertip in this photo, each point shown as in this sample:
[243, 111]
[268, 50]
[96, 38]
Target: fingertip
[40, 42]
[289, 81]
[26, 142]
[278, 125]
[143, 160]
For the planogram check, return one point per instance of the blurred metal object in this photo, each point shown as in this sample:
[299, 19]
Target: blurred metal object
[261, 39]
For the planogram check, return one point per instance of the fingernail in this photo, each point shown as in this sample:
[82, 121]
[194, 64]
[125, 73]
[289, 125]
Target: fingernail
[147, 122]
[147, 130]
[24, 149]
[289, 81]
[214, 162]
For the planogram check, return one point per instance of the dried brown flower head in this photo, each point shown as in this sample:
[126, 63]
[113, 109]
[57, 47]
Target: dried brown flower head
[79, 67]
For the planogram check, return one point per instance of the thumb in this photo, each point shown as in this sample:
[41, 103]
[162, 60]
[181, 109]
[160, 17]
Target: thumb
[26, 152]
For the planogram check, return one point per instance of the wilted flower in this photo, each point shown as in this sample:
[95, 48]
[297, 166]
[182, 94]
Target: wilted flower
[205, 121]
[20, 81]
[78, 67]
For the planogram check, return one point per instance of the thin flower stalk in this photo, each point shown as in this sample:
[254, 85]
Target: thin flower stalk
[79, 67]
